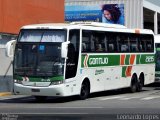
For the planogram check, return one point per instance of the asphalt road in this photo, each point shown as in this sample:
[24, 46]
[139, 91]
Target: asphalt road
[111, 105]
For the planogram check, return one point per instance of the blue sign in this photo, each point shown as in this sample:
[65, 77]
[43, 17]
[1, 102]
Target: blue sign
[107, 13]
[41, 48]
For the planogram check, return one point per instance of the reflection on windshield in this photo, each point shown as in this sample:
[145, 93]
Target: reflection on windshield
[38, 59]
[42, 36]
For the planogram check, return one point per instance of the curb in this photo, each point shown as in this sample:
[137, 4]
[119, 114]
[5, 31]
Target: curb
[5, 94]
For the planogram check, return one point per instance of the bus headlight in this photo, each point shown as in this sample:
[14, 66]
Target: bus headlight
[18, 81]
[57, 82]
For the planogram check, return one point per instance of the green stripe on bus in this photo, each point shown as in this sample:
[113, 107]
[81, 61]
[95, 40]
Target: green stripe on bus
[127, 59]
[114, 60]
[138, 59]
[158, 49]
[124, 71]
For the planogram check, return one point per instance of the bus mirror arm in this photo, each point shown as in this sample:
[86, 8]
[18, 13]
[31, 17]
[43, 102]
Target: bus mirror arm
[64, 49]
[10, 46]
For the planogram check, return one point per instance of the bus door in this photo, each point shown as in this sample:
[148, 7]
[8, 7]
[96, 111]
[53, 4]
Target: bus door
[73, 54]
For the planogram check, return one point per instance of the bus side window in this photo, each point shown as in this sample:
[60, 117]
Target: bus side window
[92, 43]
[97, 41]
[84, 48]
[99, 48]
[149, 44]
[124, 43]
[146, 43]
[111, 47]
[86, 41]
[112, 42]
[133, 43]
[149, 48]
[140, 47]
[124, 48]
[134, 48]
[105, 44]
[85, 44]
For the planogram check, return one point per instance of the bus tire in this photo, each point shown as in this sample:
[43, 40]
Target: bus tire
[134, 84]
[85, 90]
[140, 83]
[139, 87]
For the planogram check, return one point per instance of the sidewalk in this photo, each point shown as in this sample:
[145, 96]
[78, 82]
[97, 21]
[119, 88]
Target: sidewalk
[5, 94]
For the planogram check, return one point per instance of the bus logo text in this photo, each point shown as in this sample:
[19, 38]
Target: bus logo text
[98, 61]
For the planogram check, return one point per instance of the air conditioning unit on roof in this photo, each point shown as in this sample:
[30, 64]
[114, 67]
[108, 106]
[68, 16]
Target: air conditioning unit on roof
[98, 24]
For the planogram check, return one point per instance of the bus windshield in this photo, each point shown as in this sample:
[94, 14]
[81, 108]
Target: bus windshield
[38, 56]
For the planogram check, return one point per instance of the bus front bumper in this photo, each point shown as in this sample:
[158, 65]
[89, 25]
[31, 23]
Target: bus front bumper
[52, 90]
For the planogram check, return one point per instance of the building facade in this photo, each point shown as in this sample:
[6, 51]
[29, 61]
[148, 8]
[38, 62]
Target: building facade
[137, 13]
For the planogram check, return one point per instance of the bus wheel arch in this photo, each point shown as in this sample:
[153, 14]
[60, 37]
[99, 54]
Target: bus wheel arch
[85, 89]
[134, 83]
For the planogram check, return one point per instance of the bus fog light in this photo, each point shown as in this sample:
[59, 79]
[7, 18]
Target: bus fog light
[57, 82]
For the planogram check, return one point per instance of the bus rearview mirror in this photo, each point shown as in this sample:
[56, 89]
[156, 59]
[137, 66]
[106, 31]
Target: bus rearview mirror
[64, 49]
[10, 46]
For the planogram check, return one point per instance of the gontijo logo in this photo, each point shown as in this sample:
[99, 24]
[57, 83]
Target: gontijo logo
[94, 60]
[149, 59]
[98, 61]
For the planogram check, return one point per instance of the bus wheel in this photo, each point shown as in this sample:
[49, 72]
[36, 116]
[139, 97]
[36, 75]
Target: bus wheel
[139, 87]
[40, 98]
[85, 90]
[140, 83]
[134, 84]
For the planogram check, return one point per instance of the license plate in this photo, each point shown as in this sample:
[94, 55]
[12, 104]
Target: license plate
[35, 90]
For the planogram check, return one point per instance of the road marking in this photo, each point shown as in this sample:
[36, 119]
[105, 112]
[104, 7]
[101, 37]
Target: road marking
[48, 107]
[110, 98]
[128, 98]
[150, 98]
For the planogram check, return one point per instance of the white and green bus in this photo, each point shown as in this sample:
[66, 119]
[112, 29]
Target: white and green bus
[157, 59]
[81, 58]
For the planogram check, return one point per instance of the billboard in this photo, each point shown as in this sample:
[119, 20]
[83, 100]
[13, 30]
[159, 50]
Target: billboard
[106, 13]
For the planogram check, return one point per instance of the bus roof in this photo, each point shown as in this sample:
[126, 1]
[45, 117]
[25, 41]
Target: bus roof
[46, 26]
[88, 25]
